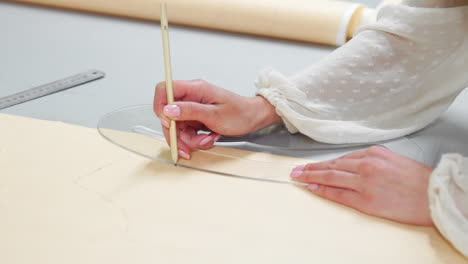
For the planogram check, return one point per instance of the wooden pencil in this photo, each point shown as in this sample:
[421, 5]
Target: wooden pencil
[169, 84]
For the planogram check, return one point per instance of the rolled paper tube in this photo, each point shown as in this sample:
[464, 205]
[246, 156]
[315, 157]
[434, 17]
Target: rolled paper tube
[319, 21]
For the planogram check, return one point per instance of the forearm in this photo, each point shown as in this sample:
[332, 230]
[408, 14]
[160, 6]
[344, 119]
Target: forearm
[385, 83]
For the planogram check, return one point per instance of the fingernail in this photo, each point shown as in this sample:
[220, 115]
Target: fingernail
[172, 110]
[313, 187]
[205, 141]
[184, 155]
[296, 174]
[165, 123]
[299, 168]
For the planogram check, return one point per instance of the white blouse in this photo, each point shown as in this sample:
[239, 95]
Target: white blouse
[393, 78]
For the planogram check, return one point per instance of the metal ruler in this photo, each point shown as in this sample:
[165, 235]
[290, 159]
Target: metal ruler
[50, 88]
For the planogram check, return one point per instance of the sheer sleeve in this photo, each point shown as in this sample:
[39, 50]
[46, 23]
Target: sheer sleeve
[393, 78]
[448, 197]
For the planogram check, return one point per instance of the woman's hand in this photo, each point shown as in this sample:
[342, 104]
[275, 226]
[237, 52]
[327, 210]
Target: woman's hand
[375, 181]
[200, 106]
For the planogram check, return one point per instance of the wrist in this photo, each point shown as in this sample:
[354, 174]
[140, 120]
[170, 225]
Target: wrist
[265, 113]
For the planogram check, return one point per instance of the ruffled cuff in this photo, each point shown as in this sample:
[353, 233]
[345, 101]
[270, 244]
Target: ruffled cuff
[271, 84]
[448, 198]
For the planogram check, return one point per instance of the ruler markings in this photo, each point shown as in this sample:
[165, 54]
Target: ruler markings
[50, 88]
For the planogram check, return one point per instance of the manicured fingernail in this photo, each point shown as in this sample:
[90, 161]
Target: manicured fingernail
[313, 187]
[296, 174]
[299, 168]
[172, 110]
[184, 155]
[205, 141]
[165, 123]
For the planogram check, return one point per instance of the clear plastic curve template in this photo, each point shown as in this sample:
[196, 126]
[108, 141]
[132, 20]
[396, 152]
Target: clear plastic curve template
[137, 129]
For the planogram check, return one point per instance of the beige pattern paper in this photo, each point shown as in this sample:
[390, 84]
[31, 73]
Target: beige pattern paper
[69, 196]
[319, 21]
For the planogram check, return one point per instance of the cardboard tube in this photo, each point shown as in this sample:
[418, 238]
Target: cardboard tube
[318, 21]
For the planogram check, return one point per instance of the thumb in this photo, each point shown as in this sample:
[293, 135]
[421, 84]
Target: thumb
[190, 111]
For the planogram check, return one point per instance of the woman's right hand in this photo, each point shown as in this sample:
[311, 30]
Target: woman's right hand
[201, 106]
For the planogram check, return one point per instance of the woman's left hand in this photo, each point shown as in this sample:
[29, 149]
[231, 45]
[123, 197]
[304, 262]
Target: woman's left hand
[375, 181]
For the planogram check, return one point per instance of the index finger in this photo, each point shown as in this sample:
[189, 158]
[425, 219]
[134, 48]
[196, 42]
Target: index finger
[350, 165]
[160, 99]
[183, 91]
